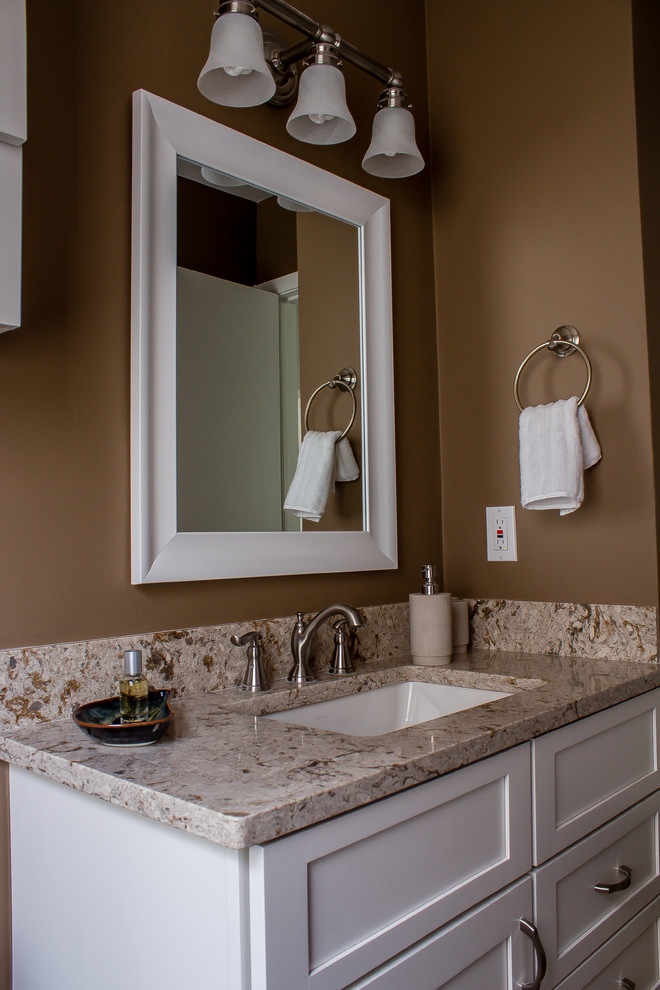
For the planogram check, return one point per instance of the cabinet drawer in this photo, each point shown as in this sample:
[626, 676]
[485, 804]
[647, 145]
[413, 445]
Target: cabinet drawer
[632, 954]
[588, 772]
[484, 948]
[572, 916]
[370, 883]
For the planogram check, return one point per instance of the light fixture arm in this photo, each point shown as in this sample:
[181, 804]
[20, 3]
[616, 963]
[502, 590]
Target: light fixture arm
[291, 16]
[369, 65]
[282, 60]
[318, 32]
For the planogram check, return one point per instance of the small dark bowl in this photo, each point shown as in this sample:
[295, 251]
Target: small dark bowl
[100, 720]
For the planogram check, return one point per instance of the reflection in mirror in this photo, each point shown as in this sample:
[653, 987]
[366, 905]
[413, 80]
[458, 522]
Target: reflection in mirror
[257, 277]
[258, 329]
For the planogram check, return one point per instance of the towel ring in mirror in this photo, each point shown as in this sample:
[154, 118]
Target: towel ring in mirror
[565, 340]
[345, 380]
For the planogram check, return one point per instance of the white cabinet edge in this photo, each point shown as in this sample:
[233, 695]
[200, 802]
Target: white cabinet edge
[13, 132]
[13, 115]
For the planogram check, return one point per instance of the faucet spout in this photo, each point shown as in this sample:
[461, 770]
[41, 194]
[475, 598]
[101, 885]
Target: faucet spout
[302, 635]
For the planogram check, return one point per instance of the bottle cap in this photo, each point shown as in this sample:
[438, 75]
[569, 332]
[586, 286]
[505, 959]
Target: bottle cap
[132, 661]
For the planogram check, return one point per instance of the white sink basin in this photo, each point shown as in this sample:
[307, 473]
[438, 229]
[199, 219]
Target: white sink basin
[381, 710]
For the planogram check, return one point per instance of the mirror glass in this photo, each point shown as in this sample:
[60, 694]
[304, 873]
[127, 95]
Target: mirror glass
[268, 308]
[257, 279]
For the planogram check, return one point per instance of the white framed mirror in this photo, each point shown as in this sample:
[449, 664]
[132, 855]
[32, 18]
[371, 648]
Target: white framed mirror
[172, 147]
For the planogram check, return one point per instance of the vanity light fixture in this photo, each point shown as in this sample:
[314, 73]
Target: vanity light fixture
[321, 115]
[393, 152]
[247, 67]
[236, 73]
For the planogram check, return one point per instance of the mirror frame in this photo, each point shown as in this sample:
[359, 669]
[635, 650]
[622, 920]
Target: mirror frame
[162, 131]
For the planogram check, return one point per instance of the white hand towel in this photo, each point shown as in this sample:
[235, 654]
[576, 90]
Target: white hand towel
[314, 476]
[346, 468]
[557, 443]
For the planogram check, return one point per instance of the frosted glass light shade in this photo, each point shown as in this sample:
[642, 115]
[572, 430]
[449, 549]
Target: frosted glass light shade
[321, 115]
[219, 178]
[290, 204]
[236, 73]
[393, 152]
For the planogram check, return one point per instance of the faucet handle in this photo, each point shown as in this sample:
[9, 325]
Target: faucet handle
[342, 662]
[299, 672]
[249, 637]
[254, 678]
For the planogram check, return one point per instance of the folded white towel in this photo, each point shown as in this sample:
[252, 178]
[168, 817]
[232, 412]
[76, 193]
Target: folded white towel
[346, 468]
[314, 476]
[557, 444]
[321, 461]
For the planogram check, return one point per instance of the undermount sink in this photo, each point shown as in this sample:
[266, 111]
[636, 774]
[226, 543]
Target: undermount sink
[385, 709]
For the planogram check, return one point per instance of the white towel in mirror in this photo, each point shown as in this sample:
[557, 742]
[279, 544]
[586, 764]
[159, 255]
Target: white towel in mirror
[314, 476]
[346, 468]
[321, 461]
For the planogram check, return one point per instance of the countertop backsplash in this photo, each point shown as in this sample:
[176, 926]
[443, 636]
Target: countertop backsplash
[618, 632]
[38, 684]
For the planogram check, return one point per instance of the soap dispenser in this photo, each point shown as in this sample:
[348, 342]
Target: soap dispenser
[430, 622]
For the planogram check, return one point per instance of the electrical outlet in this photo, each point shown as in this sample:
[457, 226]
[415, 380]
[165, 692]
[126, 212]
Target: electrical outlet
[501, 541]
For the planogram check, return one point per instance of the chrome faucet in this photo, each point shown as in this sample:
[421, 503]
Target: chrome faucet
[302, 635]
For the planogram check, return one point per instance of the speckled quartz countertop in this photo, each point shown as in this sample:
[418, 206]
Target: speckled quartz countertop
[225, 774]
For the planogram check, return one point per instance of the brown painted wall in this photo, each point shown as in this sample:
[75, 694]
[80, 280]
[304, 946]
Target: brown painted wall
[537, 224]
[646, 38]
[64, 375]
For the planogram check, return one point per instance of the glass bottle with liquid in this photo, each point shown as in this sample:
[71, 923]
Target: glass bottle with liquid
[133, 689]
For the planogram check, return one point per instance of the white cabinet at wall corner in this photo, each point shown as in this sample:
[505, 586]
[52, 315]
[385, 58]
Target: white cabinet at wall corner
[13, 124]
[424, 889]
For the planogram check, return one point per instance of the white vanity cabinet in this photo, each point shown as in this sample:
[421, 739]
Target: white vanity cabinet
[425, 889]
[399, 893]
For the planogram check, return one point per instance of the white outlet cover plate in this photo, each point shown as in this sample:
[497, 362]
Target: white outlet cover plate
[501, 539]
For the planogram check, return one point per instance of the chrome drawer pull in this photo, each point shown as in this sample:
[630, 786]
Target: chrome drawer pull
[612, 888]
[539, 970]
[627, 985]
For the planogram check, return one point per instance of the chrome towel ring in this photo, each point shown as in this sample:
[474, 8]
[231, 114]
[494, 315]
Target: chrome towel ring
[565, 340]
[345, 380]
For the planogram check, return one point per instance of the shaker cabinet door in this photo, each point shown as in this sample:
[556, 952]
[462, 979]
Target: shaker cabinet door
[483, 948]
[631, 958]
[588, 772]
[333, 902]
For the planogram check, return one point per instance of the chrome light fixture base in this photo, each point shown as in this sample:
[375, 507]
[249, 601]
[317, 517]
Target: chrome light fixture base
[286, 77]
[237, 7]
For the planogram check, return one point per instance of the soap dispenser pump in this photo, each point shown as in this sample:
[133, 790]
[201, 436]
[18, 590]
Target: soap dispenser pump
[430, 622]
